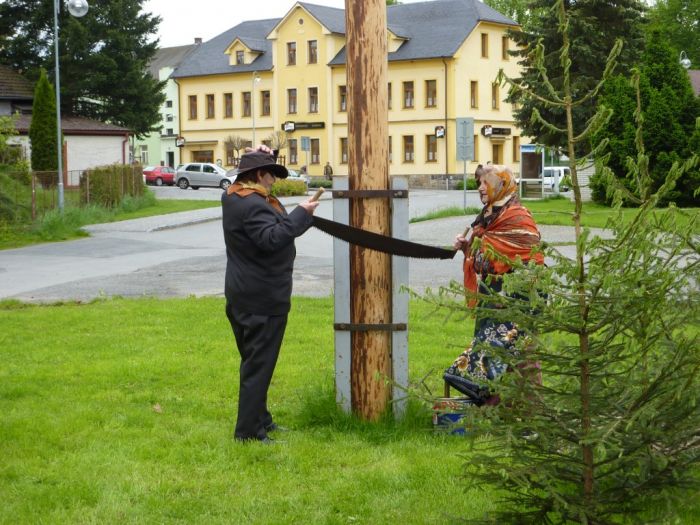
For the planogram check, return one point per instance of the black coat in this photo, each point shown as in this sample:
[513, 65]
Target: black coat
[260, 253]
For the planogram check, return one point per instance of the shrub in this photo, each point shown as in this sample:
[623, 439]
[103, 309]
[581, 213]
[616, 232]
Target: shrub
[471, 184]
[320, 183]
[286, 188]
[108, 185]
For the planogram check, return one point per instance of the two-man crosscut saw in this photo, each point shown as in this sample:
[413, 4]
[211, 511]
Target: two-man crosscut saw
[376, 241]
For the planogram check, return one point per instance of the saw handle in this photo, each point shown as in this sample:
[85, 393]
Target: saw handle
[317, 195]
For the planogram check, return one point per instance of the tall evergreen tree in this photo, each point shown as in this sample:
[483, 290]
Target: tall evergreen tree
[670, 111]
[594, 27]
[103, 57]
[42, 131]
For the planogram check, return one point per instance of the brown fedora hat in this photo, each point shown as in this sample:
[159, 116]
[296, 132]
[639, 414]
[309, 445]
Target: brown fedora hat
[259, 160]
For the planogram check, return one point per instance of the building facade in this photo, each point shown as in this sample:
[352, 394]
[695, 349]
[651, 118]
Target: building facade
[289, 75]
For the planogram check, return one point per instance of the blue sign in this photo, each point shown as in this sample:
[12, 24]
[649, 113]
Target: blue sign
[305, 144]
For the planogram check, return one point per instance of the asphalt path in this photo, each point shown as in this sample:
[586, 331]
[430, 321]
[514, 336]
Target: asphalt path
[182, 254]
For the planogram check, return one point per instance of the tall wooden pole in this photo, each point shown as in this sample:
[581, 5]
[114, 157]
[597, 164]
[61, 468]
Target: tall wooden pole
[368, 163]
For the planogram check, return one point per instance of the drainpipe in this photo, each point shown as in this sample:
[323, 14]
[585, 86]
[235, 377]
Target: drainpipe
[124, 146]
[446, 136]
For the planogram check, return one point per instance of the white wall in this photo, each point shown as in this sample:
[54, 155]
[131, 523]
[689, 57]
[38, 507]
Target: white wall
[83, 152]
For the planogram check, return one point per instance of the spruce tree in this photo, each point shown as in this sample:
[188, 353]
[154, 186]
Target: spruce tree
[42, 131]
[612, 435]
[594, 28]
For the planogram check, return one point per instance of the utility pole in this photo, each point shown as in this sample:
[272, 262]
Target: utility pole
[368, 165]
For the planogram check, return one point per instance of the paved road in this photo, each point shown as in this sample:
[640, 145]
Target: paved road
[182, 254]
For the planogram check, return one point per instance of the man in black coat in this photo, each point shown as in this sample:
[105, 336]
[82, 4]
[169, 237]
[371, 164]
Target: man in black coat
[260, 252]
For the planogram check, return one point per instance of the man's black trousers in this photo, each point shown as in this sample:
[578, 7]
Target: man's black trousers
[259, 338]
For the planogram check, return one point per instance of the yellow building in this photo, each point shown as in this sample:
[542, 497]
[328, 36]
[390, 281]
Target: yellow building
[289, 74]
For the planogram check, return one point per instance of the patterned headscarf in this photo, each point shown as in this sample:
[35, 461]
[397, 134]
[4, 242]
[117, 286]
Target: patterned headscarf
[500, 184]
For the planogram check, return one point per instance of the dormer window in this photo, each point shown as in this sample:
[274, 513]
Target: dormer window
[240, 58]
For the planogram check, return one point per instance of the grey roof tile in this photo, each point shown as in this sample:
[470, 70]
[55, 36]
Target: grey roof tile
[168, 57]
[14, 86]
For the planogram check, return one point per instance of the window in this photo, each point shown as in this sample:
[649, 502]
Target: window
[168, 103]
[430, 93]
[265, 103]
[313, 100]
[495, 95]
[430, 148]
[516, 149]
[408, 148]
[342, 98]
[484, 45]
[391, 156]
[193, 106]
[474, 94]
[292, 100]
[205, 155]
[228, 105]
[240, 58]
[291, 53]
[169, 131]
[505, 44]
[476, 148]
[344, 150]
[408, 94]
[144, 154]
[169, 117]
[210, 106]
[313, 51]
[293, 152]
[389, 95]
[246, 104]
[230, 155]
[315, 151]
[497, 153]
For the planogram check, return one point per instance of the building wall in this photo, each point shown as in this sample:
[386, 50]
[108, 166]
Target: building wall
[452, 76]
[83, 152]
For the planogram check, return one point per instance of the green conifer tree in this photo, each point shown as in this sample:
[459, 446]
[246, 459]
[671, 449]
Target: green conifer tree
[42, 132]
[612, 435]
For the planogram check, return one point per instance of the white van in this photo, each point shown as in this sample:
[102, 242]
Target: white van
[552, 174]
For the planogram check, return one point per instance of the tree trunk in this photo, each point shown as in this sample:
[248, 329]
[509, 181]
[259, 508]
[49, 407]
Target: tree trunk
[370, 271]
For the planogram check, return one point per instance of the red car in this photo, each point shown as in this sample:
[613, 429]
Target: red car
[159, 175]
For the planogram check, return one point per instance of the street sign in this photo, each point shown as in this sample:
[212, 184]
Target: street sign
[439, 132]
[465, 138]
[180, 142]
[305, 144]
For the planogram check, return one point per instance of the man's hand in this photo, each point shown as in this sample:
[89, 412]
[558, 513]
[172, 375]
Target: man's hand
[309, 205]
[259, 147]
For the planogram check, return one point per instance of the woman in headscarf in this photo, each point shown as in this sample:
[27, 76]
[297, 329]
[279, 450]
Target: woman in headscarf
[504, 227]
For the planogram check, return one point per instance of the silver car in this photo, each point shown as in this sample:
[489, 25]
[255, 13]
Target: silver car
[202, 174]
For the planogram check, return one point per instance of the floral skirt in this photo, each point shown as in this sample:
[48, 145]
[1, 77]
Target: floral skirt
[474, 368]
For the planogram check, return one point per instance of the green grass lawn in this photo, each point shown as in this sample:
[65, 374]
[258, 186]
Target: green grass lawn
[122, 411]
[559, 211]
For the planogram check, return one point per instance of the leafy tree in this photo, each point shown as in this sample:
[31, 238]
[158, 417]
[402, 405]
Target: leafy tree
[7, 131]
[670, 108]
[518, 10]
[42, 131]
[594, 27]
[680, 20]
[103, 61]
[611, 436]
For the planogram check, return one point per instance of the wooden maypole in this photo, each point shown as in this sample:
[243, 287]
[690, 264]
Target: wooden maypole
[368, 165]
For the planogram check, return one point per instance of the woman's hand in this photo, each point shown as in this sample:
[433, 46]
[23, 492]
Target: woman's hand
[309, 205]
[460, 241]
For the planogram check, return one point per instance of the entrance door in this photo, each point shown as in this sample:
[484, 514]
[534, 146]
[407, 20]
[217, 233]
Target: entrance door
[497, 153]
[170, 156]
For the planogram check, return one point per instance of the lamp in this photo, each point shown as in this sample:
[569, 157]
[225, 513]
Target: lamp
[256, 79]
[684, 61]
[77, 8]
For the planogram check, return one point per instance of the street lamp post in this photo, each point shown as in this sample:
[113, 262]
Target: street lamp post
[77, 8]
[256, 79]
[684, 61]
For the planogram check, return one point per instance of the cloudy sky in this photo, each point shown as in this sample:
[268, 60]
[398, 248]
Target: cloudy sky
[183, 21]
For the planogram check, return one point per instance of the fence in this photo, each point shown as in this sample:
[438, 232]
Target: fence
[26, 195]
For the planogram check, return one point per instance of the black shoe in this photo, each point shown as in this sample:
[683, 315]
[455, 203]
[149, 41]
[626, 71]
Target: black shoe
[264, 440]
[274, 427]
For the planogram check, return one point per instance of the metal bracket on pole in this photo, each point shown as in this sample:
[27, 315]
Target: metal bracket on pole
[370, 194]
[365, 327]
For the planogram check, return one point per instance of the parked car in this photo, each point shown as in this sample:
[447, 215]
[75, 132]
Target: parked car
[159, 175]
[200, 174]
[295, 175]
[550, 174]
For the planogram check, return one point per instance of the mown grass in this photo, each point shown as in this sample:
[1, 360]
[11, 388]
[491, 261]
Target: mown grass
[559, 211]
[123, 411]
[56, 226]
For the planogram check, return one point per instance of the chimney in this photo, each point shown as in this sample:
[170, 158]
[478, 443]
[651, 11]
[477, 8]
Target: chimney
[197, 40]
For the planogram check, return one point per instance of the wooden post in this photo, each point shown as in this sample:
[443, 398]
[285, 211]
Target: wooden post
[368, 165]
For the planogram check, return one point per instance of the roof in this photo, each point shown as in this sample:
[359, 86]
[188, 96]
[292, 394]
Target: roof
[14, 86]
[417, 22]
[695, 80]
[209, 58]
[71, 125]
[168, 57]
